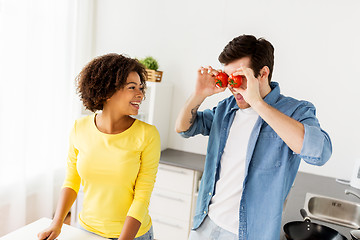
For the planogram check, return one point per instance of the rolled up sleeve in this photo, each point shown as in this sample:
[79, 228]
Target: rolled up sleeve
[317, 147]
[201, 125]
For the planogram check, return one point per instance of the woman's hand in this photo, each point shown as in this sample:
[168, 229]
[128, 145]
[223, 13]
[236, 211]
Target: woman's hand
[205, 83]
[50, 233]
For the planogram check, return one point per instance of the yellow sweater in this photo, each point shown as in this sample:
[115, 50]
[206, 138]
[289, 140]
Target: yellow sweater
[117, 172]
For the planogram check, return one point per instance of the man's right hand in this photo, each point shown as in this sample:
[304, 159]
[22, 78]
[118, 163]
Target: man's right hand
[49, 233]
[205, 83]
[205, 87]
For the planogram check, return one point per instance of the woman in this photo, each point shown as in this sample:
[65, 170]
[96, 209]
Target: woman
[114, 156]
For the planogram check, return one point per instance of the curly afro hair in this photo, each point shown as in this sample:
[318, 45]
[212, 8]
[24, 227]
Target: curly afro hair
[105, 75]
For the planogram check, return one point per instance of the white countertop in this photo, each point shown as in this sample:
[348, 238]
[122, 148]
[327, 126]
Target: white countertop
[30, 231]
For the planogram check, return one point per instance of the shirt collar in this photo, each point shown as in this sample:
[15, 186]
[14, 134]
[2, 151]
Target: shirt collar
[273, 96]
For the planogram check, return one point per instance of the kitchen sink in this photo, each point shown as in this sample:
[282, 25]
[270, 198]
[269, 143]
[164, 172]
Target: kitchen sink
[337, 211]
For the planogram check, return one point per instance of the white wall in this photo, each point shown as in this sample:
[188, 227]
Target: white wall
[316, 55]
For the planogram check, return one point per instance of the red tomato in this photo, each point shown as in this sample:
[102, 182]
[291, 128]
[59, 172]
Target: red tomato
[221, 79]
[235, 81]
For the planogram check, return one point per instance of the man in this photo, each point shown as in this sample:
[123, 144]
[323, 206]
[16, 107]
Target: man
[257, 138]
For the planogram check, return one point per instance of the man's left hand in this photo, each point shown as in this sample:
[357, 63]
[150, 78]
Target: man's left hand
[250, 89]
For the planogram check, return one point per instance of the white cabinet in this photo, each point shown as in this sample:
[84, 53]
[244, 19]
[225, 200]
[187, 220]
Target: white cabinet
[156, 107]
[172, 203]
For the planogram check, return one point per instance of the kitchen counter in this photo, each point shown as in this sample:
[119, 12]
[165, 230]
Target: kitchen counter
[183, 159]
[31, 230]
[320, 185]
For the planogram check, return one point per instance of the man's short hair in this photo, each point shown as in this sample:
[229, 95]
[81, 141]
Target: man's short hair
[260, 51]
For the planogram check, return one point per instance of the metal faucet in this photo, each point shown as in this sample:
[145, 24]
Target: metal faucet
[355, 234]
[348, 192]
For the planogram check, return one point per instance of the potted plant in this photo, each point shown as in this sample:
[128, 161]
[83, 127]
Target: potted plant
[152, 66]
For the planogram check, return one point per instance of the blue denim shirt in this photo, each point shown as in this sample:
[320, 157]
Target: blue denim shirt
[271, 166]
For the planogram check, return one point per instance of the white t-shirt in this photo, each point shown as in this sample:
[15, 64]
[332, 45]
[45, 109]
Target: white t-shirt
[225, 204]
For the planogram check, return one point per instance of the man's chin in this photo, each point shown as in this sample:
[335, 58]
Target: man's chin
[242, 104]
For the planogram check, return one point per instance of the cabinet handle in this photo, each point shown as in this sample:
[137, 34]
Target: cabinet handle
[168, 224]
[172, 170]
[171, 198]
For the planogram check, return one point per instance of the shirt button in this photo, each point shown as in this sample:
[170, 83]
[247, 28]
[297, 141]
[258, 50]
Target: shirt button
[204, 212]
[209, 193]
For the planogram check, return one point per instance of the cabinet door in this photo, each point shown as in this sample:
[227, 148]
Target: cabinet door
[169, 228]
[171, 204]
[175, 179]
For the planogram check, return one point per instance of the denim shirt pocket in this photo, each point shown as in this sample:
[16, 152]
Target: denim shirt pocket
[267, 153]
